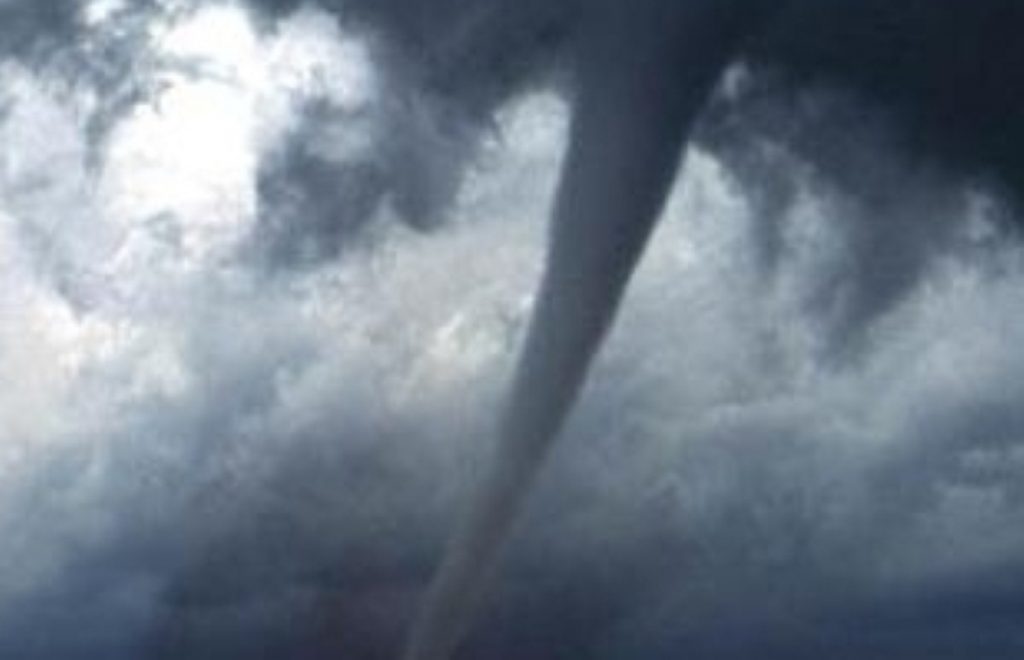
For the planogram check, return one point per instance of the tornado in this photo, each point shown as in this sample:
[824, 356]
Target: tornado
[644, 70]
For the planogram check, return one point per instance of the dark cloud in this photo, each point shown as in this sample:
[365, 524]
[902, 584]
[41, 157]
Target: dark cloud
[827, 89]
[318, 196]
[447, 68]
[900, 109]
[938, 69]
[953, 104]
[31, 26]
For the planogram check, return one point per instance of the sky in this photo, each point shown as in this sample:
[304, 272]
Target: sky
[261, 293]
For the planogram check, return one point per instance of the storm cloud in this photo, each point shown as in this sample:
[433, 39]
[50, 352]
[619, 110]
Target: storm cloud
[242, 396]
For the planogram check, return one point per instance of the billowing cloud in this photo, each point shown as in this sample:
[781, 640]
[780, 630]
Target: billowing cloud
[241, 399]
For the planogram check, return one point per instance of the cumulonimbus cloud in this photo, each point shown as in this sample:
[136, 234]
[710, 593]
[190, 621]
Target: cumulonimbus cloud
[202, 460]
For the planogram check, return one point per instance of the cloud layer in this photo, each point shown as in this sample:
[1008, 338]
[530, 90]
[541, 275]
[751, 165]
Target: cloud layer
[241, 398]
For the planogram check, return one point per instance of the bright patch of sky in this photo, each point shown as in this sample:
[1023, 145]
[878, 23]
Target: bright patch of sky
[227, 94]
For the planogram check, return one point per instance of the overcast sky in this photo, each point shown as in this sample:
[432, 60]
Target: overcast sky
[242, 392]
